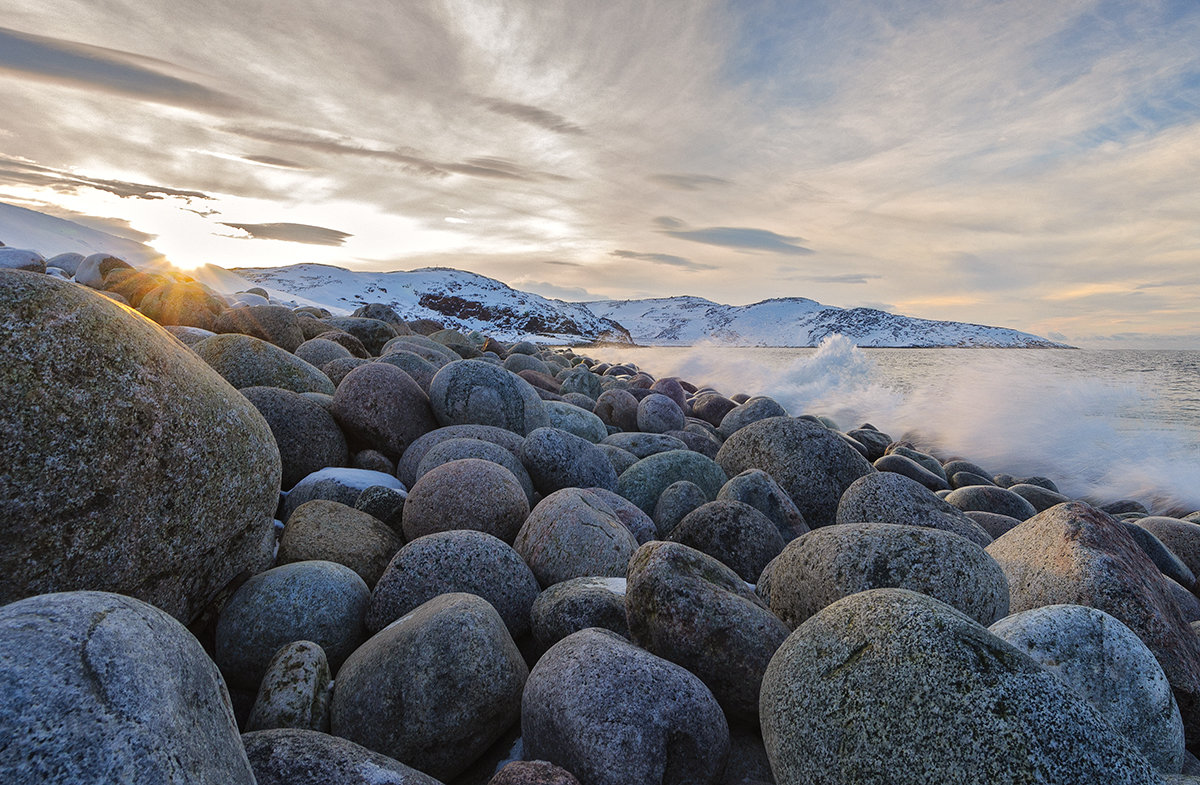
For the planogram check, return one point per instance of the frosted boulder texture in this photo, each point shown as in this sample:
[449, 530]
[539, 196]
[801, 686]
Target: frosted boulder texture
[127, 464]
[100, 688]
[891, 687]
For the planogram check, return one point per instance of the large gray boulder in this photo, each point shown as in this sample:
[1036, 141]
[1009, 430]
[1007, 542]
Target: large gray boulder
[272, 323]
[1105, 662]
[381, 407]
[576, 604]
[645, 481]
[322, 530]
[573, 533]
[477, 392]
[306, 757]
[809, 461]
[613, 714]
[833, 562]
[1075, 554]
[689, 608]
[100, 688]
[306, 434]
[887, 497]
[245, 361]
[556, 459]
[435, 689]
[896, 688]
[127, 464]
[408, 468]
[466, 494]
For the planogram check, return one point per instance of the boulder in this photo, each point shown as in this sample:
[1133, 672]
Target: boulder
[617, 408]
[272, 323]
[756, 488]
[322, 530]
[832, 562]
[989, 498]
[643, 445]
[886, 497]
[127, 464]
[613, 714]
[435, 688]
[406, 470]
[890, 686]
[645, 481]
[674, 503]
[1181, 537]
[318, 351]
[421, 370]
[245, 361]
[335, 485]
[689, 608]
[576, 604]
[576, 420]
[381, 407]
[733, 533]
[533, 772]
[458, 449]
[306, 434]
[295, 690]
[753, 410]
[572, 533]
[809, 461]
[656, 413]
[466, 494]
[373, 333]
[307, 757]
[101, 688]
[476, 392]
[556, 459]
[912, 470]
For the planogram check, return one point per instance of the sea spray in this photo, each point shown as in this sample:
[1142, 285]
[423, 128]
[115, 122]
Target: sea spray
[1098, 435]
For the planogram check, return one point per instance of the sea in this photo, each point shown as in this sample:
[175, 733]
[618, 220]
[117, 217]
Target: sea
[1103, 424]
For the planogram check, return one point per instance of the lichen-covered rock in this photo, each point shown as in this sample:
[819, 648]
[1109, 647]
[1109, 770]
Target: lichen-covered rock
[756, 488]
[381, 407]
[809, 461]
[434, 689]
[576, 604]
[314, 601]
[583, 381]
[893, 687]
[617, 408]
[645, 481]
[886, 497]
[572, 533]
[318, 351]
[832, 562]
[476, 392]
[556, 459]
[306, 434]
[640, 525]
[620, 459]
[374, 333]
[576, 420]
[1105, 662]
[466, 494]
[101, 688]
[272, 323]
[613, 714]
[753, 410]
[306, 757]
[322, 530]
[689, 608]
[675, 502]
[1077, 555]
[127, 464]
[533, 772]
[294, 692]
[421, 370]
[733, 533]
[245, 361]
[455, 561]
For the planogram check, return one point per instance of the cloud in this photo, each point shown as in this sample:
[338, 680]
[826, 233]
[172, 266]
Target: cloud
[667, 222]
[97, 68]
[532, 115]
[686, 182]
[292, 233]
[664, 258]
[555, 291]
[847, 278]
[270, 160]
[14, 170]
[742, 238]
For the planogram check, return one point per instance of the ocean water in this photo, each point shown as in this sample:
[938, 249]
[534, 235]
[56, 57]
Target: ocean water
[1103, 424]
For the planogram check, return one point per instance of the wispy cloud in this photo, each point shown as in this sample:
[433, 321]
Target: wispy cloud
[99, 68]
[533, 115]
[14, 170]
[687, 182]
[663, 258]
[292, 233]
[742, 238]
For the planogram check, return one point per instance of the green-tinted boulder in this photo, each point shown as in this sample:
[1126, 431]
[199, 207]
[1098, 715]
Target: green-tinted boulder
[645, 481]
[245, 361]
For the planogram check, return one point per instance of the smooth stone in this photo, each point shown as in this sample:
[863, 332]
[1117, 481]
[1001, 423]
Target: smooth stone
[994, 524]
[643, 445]
[1040, 498]
[245, 361]
[19, 259]
[572, 533]
[689, 608]
[476, 392]
[613, 714]
[808, 461]
[127, 464]
[583, 381]
[1075, 554]
[1103, 661]
[969, 480]
[712, 407]
[989, 498]
[756, 488]
[926, 461]
[733, 533]
[455, 561]
[656, 413]
[1181, 537]
[466, 494]
[640, 525]
[674, 503]
[185, 304]
[753, 410]
[294, 756]
[573, 419]
[322, 530]
[372, 460]
[335, 485]
[94, 267]
[645, 481]
[272, 323]
[338, 368]
[67, 262]
[407, 468]
[702, 443]
[620, 459]
[316, 601]
[1167, 562]
[618, 408]
[833, 562]
[188, 335]
[318, 351]
[457, 449]
[556, 459]
[384, 313]
[523, 362]
[576, 604]
[384, 504]
[435, 688]
[891, 686]
[875, 441]
[433, 351]
[381, 407]
[421, 370]
[374, 333]
[1124, 505]
[886, 497]
[912, 470]
[957, 465]
[295, 690]
[306, 434]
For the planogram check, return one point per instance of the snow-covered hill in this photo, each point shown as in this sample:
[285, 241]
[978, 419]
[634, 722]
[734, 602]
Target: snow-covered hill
[50, 236]
[457, 298]
[794, 321]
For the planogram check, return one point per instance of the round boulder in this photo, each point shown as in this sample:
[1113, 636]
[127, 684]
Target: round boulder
[477, 392]
[989, 498]
[322, 530]
[576, 604]
[733, 533]
[572, 533]
[306, 757]
[887, 497]
[381, 407]
[458, 449]
[466, 494]
[645, 481]
[129, 465]
[308, 437]
[556, 459]
[245, 361]
[756, 488]
[272, 323]
[656, 413]
[294, 692]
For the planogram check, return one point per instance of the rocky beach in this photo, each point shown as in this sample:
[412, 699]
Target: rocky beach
[246, 542]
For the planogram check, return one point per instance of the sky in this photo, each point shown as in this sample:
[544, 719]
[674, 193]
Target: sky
[1020, 163]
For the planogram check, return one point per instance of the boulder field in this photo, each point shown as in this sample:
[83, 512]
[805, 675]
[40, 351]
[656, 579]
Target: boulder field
[245, 542]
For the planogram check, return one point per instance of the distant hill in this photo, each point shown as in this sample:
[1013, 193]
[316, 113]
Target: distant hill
[51, 236]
